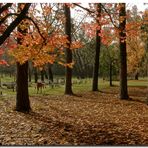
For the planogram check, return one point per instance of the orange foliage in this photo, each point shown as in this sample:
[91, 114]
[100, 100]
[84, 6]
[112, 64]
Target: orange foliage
[76, 45]
[135, 53]
[135, 45]
[42, 51]
[51, 48]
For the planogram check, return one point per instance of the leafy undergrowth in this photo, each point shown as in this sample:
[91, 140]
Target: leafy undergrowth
[92, 118]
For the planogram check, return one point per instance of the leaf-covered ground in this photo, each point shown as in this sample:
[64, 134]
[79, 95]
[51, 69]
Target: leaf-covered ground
[98, 118]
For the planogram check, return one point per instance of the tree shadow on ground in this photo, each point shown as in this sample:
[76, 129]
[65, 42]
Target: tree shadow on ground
[103, 133]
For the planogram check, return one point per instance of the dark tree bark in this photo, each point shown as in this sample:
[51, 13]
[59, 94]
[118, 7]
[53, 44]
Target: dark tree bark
[35, 75]
[123, 54]
[97, 54]
[46, 74]
[29, 71]
[50, 72]
[0, 87]
[22, 95]
[136, 76]
[0, 83]
[68, 85]
[42, 75]
[15, 23]
[29, 74]
[5, 7]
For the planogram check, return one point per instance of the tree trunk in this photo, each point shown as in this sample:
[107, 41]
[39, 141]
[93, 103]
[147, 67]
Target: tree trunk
[35, 75]
[50, 72]
[0, 87]
[45, 74]
[29, 72]
[97, 55]
[42, 75]
[123, 54]
[136, 76]
[68, 85]
[0, 83]
[22, 95]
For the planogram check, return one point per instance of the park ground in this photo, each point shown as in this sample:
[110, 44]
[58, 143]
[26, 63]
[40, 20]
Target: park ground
[89, 118]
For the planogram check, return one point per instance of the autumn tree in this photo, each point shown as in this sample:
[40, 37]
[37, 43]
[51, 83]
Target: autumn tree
[126, 31]
[22, 95]
[109, 59]
[102, 18]
[32, 45]
[21, 103]
[97, 50]
[45, 42]
[68, 84]
[144, 28]
[135, 45]
[121, 30]
[123, 52]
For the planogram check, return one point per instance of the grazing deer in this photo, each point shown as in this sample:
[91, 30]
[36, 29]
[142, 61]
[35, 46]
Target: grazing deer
[40, 86]
[10, 85]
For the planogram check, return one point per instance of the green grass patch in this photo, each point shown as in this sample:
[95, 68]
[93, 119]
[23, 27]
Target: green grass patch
[138, 83]
[85, 85]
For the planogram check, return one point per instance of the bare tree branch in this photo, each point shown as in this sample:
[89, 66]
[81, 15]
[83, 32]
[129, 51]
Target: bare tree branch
[78, 26]
[15, 23]
[5, 7]
[8, 15]
[109, 16]
[94, 12]
[27, 17]
[88, 10]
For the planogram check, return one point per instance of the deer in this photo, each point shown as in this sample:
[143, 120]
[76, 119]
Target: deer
[40, 86]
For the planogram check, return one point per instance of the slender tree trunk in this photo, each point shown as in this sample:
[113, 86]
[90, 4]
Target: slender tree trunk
[0, 83]
[123, 54]
[35, 75]
[68, 85]
[22, 95]
[97, 55]
[0, 87]
[50, 72]
[136, 76]
[46, 74]
[42, 75]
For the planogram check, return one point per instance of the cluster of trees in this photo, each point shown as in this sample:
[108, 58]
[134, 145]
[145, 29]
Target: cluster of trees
[44, 34]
